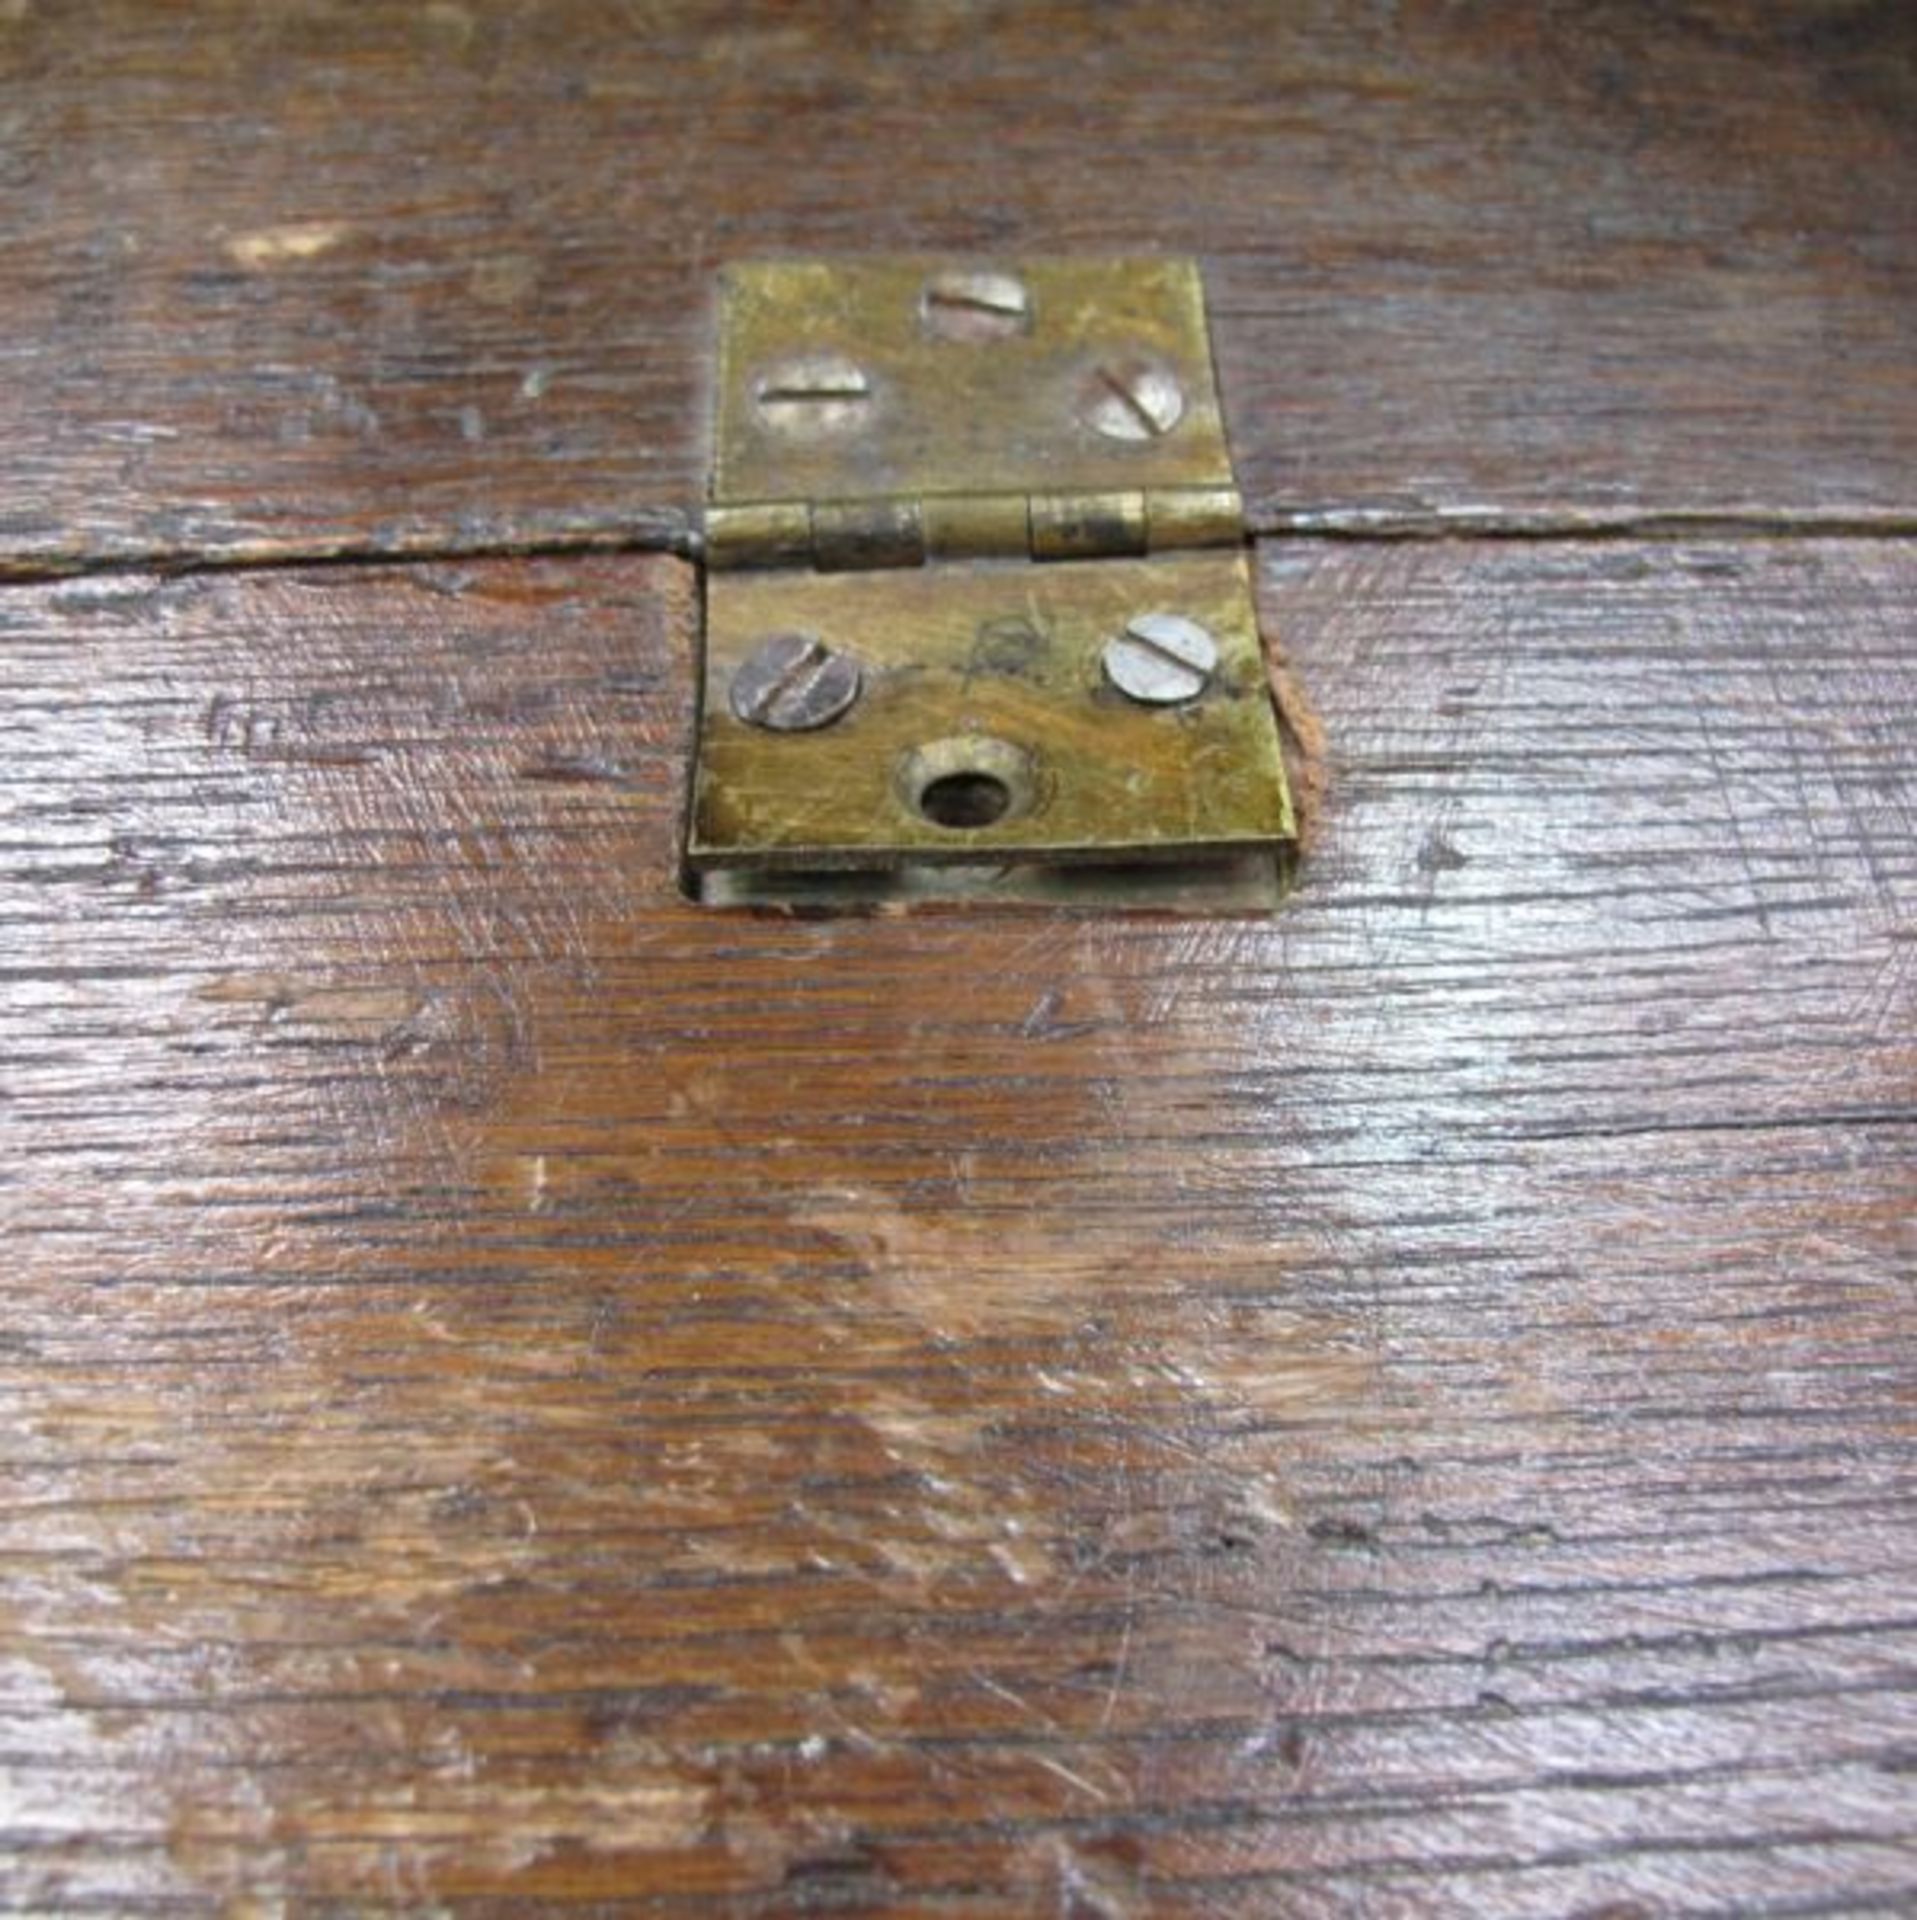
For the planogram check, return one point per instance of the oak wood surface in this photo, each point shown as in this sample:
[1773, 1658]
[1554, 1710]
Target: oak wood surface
[519, 1390]
[377, 276]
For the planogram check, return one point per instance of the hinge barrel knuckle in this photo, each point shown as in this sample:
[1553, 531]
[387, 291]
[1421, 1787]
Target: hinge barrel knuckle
[1193, 517]
[1087, 526]
[850, 536]
[760, 533]
[977, 526]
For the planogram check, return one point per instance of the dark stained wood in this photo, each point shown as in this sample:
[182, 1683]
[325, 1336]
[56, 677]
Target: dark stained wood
[376, 277]
[517, 1389]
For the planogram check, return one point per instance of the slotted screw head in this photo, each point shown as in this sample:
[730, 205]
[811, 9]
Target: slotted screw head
[794, 682]
[1131, 397]
[813, 393]
[975, 304]
[1161, 658]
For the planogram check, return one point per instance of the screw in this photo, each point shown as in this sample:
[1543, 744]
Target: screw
[814, 393]
[1161, 658]
[1131, 397]
[794, 682]
[972, 305]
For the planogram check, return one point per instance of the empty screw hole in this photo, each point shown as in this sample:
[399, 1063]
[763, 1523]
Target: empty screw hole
[967, 782]
[967, 799]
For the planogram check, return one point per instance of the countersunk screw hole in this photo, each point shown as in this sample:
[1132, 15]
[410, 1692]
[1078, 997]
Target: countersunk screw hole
[968, 782]
[965, 800]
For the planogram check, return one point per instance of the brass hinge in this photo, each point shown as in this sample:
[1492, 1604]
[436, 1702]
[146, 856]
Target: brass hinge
[979, 618]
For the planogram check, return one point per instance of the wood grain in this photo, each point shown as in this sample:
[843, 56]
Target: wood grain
[381, 277]
[518, 1390]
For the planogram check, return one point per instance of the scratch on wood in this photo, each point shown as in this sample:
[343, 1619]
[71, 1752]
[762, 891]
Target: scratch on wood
[262, 248]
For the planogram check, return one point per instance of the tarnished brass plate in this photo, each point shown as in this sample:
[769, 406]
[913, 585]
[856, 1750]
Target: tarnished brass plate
[836, 384]
[989, 676]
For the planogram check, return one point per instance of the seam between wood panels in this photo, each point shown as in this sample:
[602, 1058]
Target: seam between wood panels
[678, 535]
[671, 534]
[1361, 524]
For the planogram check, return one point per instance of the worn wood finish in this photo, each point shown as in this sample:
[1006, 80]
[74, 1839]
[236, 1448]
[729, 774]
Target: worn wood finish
[379, 276]
[517, 1389]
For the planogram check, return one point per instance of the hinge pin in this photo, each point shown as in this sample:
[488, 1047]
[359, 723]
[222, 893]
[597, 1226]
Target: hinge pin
[794, 682]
